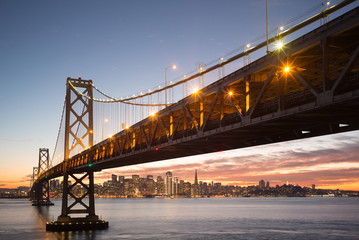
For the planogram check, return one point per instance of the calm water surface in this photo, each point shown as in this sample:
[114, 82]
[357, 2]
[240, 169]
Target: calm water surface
[213, 218]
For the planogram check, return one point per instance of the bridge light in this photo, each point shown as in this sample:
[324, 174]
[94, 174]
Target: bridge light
[153, 114]
[248, 45]
[279, 45]
[286, 69]
[230, 93]
[174, 66]
[281, 28]
[328, 3]
[195, 90]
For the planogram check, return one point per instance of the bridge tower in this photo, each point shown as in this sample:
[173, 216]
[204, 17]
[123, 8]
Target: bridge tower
[78, 133]
[41, 188]
[33, 179]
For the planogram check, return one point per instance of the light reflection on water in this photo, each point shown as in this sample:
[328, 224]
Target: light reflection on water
[228, 218]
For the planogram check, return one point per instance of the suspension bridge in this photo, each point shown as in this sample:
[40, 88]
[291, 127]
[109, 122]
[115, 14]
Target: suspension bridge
[304, 88]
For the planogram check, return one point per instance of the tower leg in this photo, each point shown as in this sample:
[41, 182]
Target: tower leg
[67, 223]
[41, 194]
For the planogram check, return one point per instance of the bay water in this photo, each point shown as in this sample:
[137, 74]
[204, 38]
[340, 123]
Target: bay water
[194, 218]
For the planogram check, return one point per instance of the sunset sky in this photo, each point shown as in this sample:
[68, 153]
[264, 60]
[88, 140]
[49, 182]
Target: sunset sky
[124, 46]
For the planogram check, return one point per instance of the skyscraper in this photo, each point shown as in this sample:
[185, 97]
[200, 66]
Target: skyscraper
[160, 185]
[121, 179]
[262, 184]
[195, 178]
[175, 186]
[168, 191]
[114, 178]
[136, 183]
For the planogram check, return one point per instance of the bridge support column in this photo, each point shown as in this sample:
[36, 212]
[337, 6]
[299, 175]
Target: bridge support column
[74, 201]
[41, 194]
[78, 198]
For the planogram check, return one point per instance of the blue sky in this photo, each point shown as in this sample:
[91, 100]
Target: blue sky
[123, 46]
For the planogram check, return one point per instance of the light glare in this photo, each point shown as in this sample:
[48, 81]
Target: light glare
[279, 45]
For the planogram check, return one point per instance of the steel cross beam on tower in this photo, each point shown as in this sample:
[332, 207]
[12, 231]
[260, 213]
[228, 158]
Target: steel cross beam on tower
[72, 129]
[43, 160]
[83, 119]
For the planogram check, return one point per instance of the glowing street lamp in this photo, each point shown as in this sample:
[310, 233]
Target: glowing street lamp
[173, 67]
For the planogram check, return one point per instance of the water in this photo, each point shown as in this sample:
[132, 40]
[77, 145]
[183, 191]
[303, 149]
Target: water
[213, 218]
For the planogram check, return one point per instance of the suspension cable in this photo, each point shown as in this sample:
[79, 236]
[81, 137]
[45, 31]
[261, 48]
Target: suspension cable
[58, 132]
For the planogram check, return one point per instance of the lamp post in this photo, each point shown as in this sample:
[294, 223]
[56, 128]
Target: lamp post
[173, 67]
[103, 123]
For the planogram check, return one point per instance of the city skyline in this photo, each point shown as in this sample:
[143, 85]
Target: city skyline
[125, 48]
[171, 186]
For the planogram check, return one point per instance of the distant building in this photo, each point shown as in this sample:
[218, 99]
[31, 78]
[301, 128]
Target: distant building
[150, 184]
[142, 185]
[168, 190]
[262, 184]
[187, 189]
[313, 186]
[175, 186]
[136, 183]
[180, 187]
[160, 185]
[114, 178]
[121, 179]
[195, 178]
[267, 186]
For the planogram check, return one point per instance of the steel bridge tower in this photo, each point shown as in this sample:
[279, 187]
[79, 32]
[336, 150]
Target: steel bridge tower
[41, 194]
[78, 133]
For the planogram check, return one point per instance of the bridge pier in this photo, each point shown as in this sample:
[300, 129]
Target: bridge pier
[41, 195]
[88, 222]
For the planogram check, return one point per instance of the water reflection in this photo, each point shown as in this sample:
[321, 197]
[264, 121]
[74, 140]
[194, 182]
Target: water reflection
[88, 235]
[46, 214]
